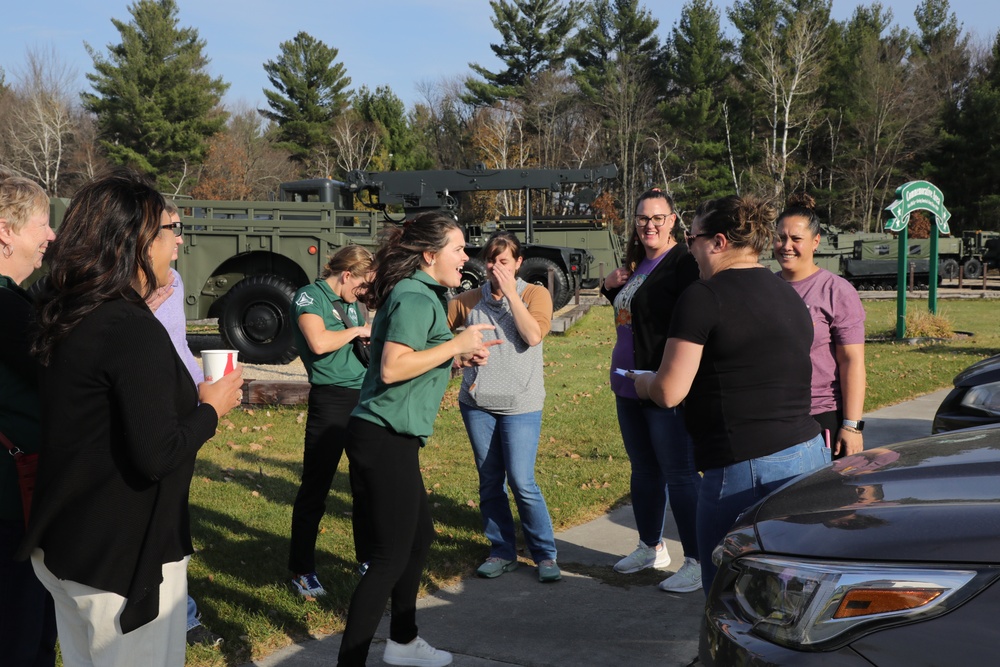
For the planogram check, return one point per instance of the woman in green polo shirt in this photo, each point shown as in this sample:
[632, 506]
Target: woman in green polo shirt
[411, 355]
[329, 321]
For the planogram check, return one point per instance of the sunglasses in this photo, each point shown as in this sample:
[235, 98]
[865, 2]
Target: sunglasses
[177, 227]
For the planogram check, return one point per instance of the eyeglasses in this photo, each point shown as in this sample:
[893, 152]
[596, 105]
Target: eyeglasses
[176, 226]
[691, 237]
[658, 220]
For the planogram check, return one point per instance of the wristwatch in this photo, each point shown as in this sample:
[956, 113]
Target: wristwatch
[857, 425]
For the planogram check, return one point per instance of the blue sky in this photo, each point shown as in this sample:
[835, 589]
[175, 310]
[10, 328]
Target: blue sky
[399, 43]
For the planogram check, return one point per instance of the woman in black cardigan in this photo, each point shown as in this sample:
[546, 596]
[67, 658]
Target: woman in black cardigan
[122, 423]
[644, 291]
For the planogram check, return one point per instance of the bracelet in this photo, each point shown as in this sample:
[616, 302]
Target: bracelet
[849, 429]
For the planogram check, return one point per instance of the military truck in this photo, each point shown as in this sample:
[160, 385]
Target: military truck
[979, 248]
[592, 233]
[242, 262]
[874, 264]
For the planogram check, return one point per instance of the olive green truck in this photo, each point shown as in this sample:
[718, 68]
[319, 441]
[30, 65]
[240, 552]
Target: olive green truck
[242, 262]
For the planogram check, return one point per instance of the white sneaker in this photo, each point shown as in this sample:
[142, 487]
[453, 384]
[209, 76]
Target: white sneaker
[644, 557]
[417, 653]
[685, 580]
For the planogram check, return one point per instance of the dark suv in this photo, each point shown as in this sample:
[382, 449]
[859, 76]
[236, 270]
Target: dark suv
[888, 557]
[975, 400]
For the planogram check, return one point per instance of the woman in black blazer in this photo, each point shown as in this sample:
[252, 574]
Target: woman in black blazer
[122, 424]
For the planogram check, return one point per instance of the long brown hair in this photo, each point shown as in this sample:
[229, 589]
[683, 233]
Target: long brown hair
[102, 249]
[401, 252]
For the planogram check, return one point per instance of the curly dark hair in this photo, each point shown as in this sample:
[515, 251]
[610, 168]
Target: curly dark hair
[747, 221]
[401, 250]
[102, 253]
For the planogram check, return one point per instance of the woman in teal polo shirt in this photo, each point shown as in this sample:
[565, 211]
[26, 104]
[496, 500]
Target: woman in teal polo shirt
[411, 354]
[328, 321]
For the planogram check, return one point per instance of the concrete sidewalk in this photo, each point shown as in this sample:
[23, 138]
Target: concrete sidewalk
[593, 616]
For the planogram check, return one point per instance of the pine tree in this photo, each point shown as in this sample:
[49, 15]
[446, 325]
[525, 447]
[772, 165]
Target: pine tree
[613, 31]
[155, 103]
[399, 145]
[699, 66]
[967, 165]
[534, 36]
[310, 91]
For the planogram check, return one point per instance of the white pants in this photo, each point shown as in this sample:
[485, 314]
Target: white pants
[89, 631]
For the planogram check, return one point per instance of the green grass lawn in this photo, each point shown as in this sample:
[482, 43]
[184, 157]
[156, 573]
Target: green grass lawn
[247, 476]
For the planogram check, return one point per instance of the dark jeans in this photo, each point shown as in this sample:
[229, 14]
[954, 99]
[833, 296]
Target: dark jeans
[326, 436]
[728, 491]
[385, 474]
[662, 456]
[27, 616]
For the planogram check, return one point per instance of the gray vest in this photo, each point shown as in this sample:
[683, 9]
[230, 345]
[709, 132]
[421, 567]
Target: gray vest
[513, 381]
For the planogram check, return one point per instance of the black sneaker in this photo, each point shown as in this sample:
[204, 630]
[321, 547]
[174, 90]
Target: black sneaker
[199, 634]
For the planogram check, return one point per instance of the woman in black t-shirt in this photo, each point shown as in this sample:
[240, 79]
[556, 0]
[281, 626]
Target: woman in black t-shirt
[738, 353]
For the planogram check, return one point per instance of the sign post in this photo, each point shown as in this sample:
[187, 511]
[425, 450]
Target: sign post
[910, 197]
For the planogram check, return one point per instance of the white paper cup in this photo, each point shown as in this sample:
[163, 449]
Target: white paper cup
[217, 363]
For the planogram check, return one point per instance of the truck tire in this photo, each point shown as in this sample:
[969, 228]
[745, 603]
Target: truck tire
[972, 268]
[535, 270]
[255, 318]
[473, 275]
[949, 269]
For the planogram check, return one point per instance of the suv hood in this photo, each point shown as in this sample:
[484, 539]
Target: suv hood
[935, 499]
[981, 372]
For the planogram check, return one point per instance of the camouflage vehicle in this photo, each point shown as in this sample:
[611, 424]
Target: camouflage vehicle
[242, 262]
[979, 249]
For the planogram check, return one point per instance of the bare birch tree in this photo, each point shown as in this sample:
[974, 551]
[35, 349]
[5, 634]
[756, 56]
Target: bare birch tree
[628, 106]
[788, 63]
[892, 113]
[355, 143]
[39, 120]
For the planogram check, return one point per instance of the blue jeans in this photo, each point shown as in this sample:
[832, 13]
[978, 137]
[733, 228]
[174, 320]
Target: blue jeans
[662, 457]
[192, 614]
[728, 491]
[505, 447]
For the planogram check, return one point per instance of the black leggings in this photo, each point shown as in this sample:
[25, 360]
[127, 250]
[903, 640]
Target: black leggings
[326, 435]
[385, 473]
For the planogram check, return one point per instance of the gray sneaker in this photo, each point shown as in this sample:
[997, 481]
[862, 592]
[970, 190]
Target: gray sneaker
[685, 580]
[493, 567]
[643, 557]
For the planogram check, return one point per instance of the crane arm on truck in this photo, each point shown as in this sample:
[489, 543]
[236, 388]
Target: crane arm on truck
[418, 191]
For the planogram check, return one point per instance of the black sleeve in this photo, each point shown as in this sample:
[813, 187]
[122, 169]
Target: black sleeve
[687, 272]
[15, 343]
[143, 369]
[610, 294]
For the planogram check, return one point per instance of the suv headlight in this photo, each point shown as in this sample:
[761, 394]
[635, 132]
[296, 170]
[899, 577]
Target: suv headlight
[806, 604]
[985, 397]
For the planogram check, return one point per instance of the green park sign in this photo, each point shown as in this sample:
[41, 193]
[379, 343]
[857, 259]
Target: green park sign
[917, 196]
[910, 197]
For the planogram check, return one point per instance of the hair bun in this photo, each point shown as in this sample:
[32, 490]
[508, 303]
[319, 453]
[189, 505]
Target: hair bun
[801, 200]
[753, 211]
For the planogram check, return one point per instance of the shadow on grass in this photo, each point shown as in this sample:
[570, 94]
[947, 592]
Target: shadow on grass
[247, 597]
